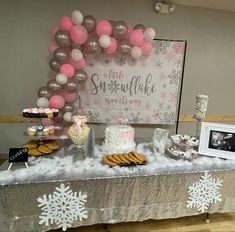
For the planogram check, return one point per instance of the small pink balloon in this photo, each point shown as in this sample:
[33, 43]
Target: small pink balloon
[67, 69]
[79, 34]
[136, 37]
[78, 64]
[69, 97]
[54, 29]
[112, 47]
[47, 122]
[66, 23]
[146, 48]
[52, 47]
[57, 102]
[103, 27]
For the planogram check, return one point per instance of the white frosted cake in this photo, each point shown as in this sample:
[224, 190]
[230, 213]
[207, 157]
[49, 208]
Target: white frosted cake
[120, 137]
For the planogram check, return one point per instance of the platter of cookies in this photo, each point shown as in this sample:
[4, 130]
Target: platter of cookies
[38, 147]
[124, 159]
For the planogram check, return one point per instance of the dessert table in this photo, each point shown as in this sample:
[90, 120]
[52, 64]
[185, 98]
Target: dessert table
[96, 193]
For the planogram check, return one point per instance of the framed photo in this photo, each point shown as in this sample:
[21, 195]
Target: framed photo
[217, 140]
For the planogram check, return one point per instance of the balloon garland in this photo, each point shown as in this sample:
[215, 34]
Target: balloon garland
[75, 38]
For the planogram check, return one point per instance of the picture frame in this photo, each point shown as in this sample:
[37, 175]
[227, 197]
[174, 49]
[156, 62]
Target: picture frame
[217, 140]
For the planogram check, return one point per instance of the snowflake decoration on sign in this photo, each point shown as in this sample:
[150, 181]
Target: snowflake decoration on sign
[62, 207]
[204, 192]
[113, 86]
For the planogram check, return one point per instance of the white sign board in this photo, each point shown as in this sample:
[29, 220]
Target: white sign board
[143, 91]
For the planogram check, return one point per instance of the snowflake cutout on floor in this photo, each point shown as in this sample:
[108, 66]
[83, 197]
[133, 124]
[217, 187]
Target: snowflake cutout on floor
[62, 207]
[113, 86]
[204, 192]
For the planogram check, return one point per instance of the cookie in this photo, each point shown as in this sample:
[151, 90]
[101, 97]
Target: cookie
[44, 149]
[122, 157]
[30, 145]
[139, 156]
[34, 152]
[130, 159]
[118, 158]
[53, 146]
[108, 162]
[112, 159]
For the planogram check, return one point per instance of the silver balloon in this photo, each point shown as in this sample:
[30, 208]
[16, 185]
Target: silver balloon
[68, 107]
[59, 118]
[62, 39]
[89, 23]
[80, 76]
[92, 45]
[54, 65]
[124, 46]
[78, 46]
[71, 85]
[139, 27]
[120, 29]
[59, 127]
[61, 55]
[44, 92]
[52, 85]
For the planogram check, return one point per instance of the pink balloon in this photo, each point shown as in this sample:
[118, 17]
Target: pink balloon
[47, 122]
[57, 102]
[103, 27]
[146, 48]
[79, 34]
[66, 23]
[78, 64]
[54, 29]
[112, 47]
[67, 69]
[136, 37]
[69, 97]
[52, 47]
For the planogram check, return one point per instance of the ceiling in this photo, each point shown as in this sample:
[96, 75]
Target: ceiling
[228, 5]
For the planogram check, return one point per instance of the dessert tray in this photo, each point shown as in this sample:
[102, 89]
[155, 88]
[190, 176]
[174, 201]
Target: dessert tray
[183, 147]
[124, 159]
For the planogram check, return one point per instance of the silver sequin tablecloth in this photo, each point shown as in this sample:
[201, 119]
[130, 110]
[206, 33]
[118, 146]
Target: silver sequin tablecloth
[113, 199]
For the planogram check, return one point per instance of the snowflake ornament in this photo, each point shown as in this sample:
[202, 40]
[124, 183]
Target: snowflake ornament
[204, 192]
[62, 207]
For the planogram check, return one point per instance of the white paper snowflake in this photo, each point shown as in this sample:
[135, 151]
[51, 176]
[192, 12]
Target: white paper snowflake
[62, 207]
[204, 192]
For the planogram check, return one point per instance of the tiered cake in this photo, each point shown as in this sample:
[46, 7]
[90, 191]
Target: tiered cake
[120, 137]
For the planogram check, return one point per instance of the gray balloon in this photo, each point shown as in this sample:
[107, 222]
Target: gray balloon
[62, 38]
[44, 92]
[71, 85]
[61, 55]
[89, 23]
[68, 107]
[59, 118]
[139, 27]
[124, 46]
[59, 127]
[78, 46]
[120, 30]
[92, 45]
[80, 75]
[54, 65]
[52, 85]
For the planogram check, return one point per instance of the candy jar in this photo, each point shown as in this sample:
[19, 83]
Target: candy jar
[79, 131]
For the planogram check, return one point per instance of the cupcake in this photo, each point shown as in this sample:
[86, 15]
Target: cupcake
[50, 114]
[31, 131]
[51, 130]
[45, 131]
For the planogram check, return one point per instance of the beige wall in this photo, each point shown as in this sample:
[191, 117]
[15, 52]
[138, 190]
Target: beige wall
[25, 33]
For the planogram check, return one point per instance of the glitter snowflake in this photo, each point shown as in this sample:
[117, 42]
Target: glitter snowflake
[113, 86]
[62, 207]
[174, 77]
[204, 192]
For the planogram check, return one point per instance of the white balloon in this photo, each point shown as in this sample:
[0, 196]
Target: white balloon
[149, 34]
[42, 102]
[76, 54]
[77, 17]
[67, 116]
[104, 41]
[61, 78]
[136, 52]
